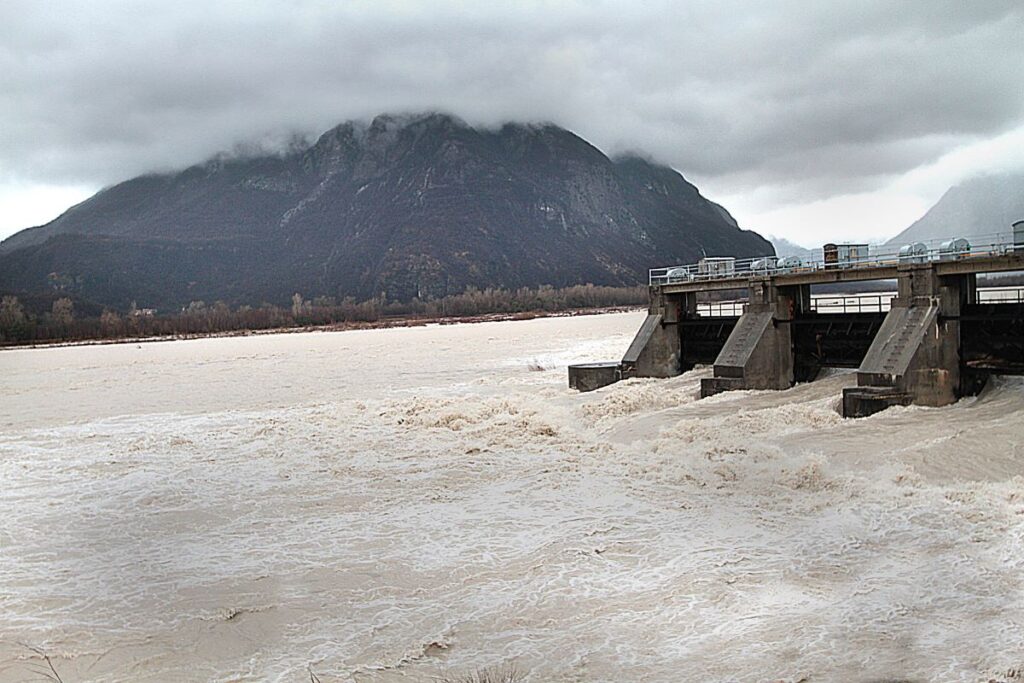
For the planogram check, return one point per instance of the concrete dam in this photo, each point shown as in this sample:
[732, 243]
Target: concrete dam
[936, 339]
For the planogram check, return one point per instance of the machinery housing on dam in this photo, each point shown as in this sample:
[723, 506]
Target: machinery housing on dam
[935, 339]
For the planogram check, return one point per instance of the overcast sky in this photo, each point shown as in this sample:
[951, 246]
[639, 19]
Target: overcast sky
[809, 120]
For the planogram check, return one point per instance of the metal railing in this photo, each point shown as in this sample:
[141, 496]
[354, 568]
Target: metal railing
[994, 244]
[879, 302]
[827, 303]
[858, 303]
[722, 309]
[1001, 295]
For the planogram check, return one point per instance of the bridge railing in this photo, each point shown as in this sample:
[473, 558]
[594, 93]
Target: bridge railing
[1001, 295]
[993, 244]
[879, 302]
[722, 309]
[858, 303]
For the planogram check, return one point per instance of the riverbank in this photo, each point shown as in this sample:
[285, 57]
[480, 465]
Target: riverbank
[398, 322]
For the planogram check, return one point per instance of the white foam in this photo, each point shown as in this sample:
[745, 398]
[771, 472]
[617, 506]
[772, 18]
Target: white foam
[404, 503]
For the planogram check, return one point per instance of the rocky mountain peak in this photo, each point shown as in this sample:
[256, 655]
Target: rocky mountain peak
[408, 206]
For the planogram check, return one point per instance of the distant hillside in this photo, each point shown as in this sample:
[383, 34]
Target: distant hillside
[403, 207]
[980, 206]
[784, 247]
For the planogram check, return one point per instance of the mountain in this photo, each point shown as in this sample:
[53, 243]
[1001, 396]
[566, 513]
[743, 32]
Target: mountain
[784, 247]
[981, 206]
[408, 207]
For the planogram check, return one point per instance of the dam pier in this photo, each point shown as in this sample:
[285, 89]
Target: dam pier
[935, 338]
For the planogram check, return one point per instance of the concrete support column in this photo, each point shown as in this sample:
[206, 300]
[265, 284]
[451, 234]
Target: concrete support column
[915, 357]
[656, 350]
[759, 352]
[932, 377]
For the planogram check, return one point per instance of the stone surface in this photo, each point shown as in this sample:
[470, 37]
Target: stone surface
[864, 401]
[591, 376]
[709, 386]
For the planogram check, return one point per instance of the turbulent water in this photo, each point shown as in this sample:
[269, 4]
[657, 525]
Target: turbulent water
[409, 504]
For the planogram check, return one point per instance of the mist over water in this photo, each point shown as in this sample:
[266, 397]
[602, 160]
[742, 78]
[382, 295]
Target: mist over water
[400, 504]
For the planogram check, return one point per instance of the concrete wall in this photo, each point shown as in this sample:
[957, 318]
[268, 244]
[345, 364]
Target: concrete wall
[759, 352]
[915, 358]
[656, 350]
[592, 376]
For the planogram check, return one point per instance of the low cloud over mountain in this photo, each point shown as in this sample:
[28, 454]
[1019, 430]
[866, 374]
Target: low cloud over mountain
[403, 207]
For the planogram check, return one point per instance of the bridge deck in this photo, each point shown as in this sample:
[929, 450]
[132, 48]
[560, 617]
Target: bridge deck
[883, 271]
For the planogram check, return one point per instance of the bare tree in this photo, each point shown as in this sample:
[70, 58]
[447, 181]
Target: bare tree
[63, 311]
[110, 323]
[12, 318]
[300, 307]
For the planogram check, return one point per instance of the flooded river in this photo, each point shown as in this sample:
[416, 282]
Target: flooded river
[410, 504]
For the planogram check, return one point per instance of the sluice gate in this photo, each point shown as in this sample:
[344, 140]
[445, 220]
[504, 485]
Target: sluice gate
[992, 338]
[832, 340]
[934, 341]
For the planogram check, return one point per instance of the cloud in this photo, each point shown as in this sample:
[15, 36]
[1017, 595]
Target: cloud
[800, 101]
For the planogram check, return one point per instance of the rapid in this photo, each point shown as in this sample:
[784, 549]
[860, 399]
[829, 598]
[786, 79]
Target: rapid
[416, 503]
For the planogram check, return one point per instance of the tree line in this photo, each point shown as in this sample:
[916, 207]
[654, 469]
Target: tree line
[60, 323]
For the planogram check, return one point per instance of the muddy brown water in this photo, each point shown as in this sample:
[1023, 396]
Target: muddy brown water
[403, 504]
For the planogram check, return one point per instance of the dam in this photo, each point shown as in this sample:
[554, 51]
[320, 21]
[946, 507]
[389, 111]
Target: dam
[936, 338]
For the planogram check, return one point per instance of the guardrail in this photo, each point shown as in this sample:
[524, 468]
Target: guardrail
[822, 303]
[859, 303]
[722, 309]
[856, 303]
[994, 244]
[1001, 295]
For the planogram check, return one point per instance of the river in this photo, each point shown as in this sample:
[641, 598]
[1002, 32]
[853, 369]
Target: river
[409, 504]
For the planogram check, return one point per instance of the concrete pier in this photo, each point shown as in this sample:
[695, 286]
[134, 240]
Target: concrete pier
[759, 352]
[915, 357]
[656, 350]
[591, 376]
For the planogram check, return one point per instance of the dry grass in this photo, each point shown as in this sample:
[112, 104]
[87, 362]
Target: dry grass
[504, 674]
